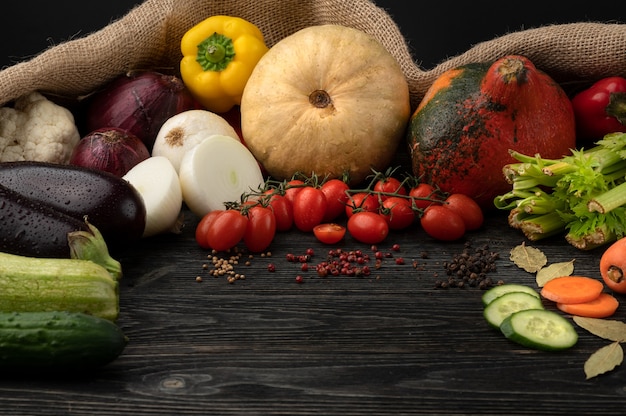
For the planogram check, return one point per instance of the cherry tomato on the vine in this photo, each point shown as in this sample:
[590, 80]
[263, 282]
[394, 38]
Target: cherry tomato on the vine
[442, 223]
[261, 228]
[282, 208]
[424, 195]
[391, 185]
[368, 227]
[226, 230]
[467, 208]
[293, 187]
[329, 233]
[398, 212]
[362, 201]
[202, 229]
[336, 198]
[309, 208]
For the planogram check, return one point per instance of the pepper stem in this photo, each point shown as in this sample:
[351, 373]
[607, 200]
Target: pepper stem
[215, 52]
[617, 106]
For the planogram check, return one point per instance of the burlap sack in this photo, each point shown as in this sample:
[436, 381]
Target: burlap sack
[149, 35]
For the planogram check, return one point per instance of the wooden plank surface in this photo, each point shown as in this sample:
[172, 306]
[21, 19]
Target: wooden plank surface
[390, 343]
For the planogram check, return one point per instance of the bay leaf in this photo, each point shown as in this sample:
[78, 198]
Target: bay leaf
[604, 360]
[545, 274]
[528, 258]
[604, 328]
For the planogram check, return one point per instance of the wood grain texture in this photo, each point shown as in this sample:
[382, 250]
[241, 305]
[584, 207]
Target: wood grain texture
[387, 344]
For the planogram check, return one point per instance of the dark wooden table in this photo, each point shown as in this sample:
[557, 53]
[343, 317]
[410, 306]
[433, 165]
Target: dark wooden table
[390, 343]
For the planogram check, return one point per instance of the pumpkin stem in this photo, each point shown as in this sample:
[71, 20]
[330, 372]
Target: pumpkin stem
[513, 69]
[320, 99]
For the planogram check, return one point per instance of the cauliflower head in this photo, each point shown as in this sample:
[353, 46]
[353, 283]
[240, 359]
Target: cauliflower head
[37, 129]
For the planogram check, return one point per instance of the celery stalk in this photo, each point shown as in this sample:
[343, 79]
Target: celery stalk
[609, 200]
[582, 196]
[599, 237]
[542, 226]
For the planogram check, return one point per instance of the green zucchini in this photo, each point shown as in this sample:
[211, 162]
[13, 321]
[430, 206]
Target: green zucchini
[29, 284]
[57, 340]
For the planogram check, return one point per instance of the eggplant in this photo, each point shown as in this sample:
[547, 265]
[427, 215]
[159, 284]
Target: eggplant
[32, 229]
[108, 202]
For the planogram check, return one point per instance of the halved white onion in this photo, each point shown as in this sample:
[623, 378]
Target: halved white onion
[157, 182]
[216, 171]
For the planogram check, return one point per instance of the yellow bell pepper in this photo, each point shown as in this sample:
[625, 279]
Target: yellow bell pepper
[219, 54]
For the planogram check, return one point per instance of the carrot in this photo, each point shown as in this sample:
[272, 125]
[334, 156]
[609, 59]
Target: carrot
[572, 289]
[603, 306]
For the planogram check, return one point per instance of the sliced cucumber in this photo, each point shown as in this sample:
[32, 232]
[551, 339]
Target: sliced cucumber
[503, 306]
[498, 291]
[540, 329]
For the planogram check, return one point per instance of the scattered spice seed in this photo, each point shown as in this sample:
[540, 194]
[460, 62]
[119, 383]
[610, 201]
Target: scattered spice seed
[225, 264]
[470, 268]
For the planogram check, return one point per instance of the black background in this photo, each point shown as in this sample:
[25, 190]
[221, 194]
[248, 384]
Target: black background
[434, 33]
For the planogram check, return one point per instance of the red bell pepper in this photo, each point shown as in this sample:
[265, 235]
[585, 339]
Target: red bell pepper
[600, 109]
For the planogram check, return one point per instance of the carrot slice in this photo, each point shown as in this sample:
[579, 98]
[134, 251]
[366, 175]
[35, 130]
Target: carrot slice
[572, 289]
[603, 306]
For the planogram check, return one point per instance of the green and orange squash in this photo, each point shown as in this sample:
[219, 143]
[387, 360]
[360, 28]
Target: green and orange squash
[460, 135]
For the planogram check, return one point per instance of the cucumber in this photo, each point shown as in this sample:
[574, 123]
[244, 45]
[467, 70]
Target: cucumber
[57, 340]
[540, 329]
[29, 284]
[503, 306]
[500, 290]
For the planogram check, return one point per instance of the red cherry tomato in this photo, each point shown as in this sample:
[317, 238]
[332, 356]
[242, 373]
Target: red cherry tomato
[398, 212]
[420, 192]
[282, 208]
[226, 230]
[329, 233]
[442, 223]
[293, 187]
[261, 228]
[309, 207]
[467, 208]
[389, 185]
[336, 198]
[362, 201]
[368, 227]
[202, 229]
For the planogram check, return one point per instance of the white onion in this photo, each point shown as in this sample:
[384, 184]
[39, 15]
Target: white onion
[157, 182]
[216, 171]
[183, 131]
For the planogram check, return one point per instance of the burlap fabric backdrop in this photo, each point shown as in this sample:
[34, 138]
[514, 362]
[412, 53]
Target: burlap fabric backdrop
[149, 35]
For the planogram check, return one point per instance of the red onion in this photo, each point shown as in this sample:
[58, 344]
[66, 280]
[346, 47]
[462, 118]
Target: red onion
[111, 150]
[139, 102]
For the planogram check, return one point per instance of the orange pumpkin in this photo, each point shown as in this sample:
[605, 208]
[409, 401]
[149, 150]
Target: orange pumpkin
[460, 135]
